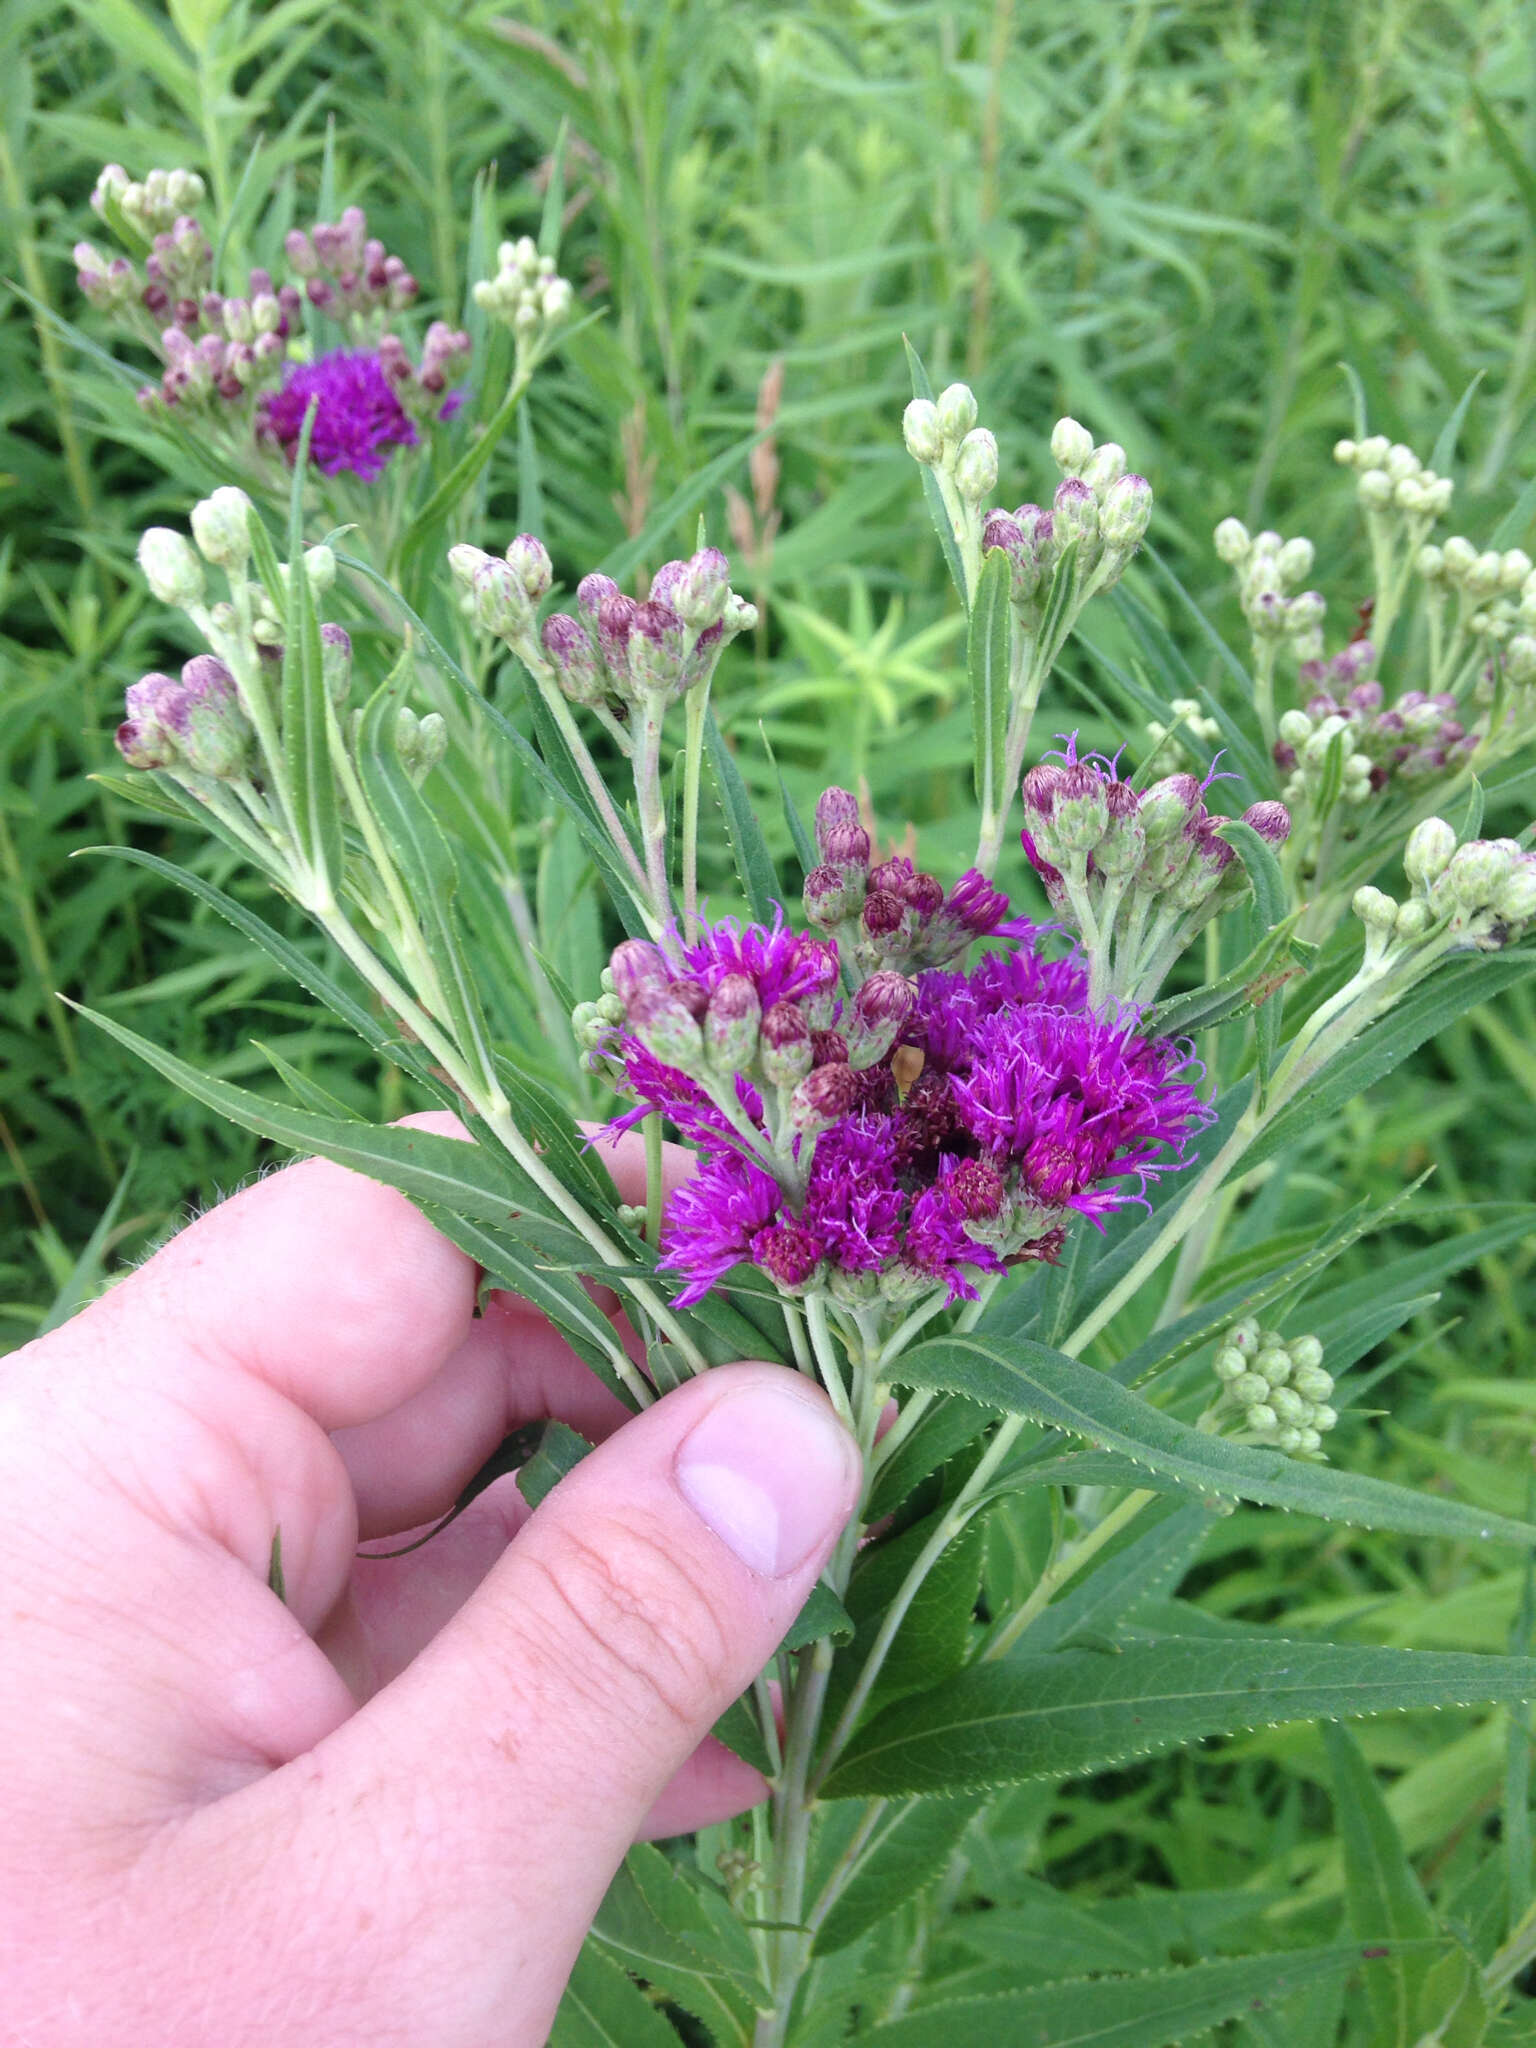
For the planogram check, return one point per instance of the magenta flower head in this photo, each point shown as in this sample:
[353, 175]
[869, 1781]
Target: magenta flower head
[359, 421]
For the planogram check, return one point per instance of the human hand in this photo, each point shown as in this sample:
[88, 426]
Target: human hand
[387, 1810]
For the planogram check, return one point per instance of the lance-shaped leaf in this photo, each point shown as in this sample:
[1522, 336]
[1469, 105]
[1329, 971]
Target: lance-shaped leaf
[603, 2008]
[426, 863]
[987, 657]
[1382, 1893]
[911, 1846]
[1019, 1377]
[1154, 2009]
[754, 863]
[1082, 1710]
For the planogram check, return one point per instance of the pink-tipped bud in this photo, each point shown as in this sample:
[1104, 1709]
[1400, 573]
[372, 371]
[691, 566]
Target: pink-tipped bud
[784, 1045]
[883, 913]
[591, 591]
[823, 1098]
[667, 1028]
[573, 658]
[336, 661]
[1271, 821]
[730, 1024]
[636, 967]
[1170, 806]
[1124, 840]
[880, 1009]
[834, 807]
[846, 847]
[923, 894]
[979, 1189]
[789, 1254]
[530, 564]
[615, 620]
[827, 897]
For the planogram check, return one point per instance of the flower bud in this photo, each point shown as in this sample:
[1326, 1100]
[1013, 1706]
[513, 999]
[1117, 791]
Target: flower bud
[655, 648]
[1515, 902]
[336, 661]
[203, 716]
[956, 412]
[319, 568]
[636, 966]
[702, 590]
[1233, 545]
[1270, 820]
[827, 898]
[1104, 467]
[501, 605]
[784, 1045]
[170, 567]
[573, 658]
[1125, 512]
[1428, 854]
[1294, 562]
[1071, 447]
[1229, 1365]
[221, 526]
[1520, 659]
[921, 431]
[431, 744]
[1075, 512]
[823, 1098]
[1311, 1382]
[730, 1024]
[528, 559]
[1477, 872]
[666, 1027]
[1249, 1388]
[463, 561]
[976, 466]
[1376, 910]
[1169, 806]
[882, 1006]
[835, 807]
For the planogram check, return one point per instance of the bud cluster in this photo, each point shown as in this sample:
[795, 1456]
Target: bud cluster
[347, 273]
[147, 206]
[422, 388]
[890, 915]
[1096, 504]
[201, 723]
[1407, 743]
[1279, 1384]
[1270, 574]
[942, 434]
[1139, 872]
[1175, 739]
[1480, 895]
[527, 294]
[1391, 478]
[618, 651]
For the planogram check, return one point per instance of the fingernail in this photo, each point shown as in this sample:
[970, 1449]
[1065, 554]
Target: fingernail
[772, 1471]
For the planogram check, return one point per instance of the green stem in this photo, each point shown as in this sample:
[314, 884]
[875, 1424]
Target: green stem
[693, 751]
[1067, 1566]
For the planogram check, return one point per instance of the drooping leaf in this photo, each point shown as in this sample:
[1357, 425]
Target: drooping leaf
[1154, 2009]
[1081, 1710]
[1019, 1377]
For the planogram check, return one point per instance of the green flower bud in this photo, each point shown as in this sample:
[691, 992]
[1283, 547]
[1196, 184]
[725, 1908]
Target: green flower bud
[1125, 512]
[1306, 1351]
[1413, 920]
[1233, 544]
[1288, 1404]
[921, 431]
[221, 526]
[1375, 909]
[1375, 488]
[1071, 447]
[956, 411]
[1428, 854]
[976, 466]
[1294, 562]
[1324, 1418]
[1229, 1365]
[1244, 1336]
[1273, 1366]
[1312, 1383]
[1104, 467]
[1344, 452]
[1476, 873]
[1372, 452]
[1310, 1440]
[1250, 1388]
[1515, 902]
[1262, 1418]
[170, 568]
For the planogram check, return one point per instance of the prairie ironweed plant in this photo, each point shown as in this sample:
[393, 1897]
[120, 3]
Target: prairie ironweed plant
[970, 1168]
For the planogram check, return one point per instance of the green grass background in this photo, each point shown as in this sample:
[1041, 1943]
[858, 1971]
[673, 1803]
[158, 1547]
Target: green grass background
[1173, 221]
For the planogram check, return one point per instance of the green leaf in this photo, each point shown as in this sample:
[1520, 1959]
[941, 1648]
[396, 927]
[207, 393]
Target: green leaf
[306, 709]
[1443, 454]
[933, 497]
[948, 1427]
[937, 1628]
[305, 971]
[1020, 1377]
[1460, 985]
[602, 2008]
[1257, 856]
[1156, 2009]
[1510, 154]
[988, 648]
[427, 865]
[823, 1615]
[1152, 1565]
[754, 864]
[560, 1450]
[1382, 1894]
[910, 1848]
[1079, 1710]
[738, 1728]
[655, 1923]
[307, 1093]
[1058, 599]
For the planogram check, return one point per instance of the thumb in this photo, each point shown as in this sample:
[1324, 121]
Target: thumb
[511, 1766]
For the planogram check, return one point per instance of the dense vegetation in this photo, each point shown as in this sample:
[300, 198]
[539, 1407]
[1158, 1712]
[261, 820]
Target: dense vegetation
[1174, 224]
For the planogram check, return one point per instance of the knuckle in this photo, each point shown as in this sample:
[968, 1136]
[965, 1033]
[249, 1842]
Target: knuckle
[638, 1624]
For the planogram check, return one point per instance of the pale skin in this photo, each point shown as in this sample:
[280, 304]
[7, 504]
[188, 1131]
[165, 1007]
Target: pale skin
[386, 1811]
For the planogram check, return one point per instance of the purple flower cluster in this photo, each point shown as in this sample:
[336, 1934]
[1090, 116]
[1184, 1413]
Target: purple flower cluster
[359, 421]
[995, 1106]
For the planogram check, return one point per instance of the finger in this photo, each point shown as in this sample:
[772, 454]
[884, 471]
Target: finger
[410, 1466]
[504, 1774]
[391, 1613]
